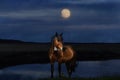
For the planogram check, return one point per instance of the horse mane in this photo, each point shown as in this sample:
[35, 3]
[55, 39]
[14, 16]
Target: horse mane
[52, 44]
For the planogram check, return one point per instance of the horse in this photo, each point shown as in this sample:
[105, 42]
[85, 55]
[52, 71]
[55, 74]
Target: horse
[61, 54]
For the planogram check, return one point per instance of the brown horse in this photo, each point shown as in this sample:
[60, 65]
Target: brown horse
[61, 54]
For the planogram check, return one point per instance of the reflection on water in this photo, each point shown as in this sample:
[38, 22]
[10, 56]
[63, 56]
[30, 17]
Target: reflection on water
[98, 68]
[84, 69]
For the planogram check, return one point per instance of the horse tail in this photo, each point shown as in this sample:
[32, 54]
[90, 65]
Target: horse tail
[74, 63]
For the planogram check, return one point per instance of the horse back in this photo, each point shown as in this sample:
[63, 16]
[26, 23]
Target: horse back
[68, 51]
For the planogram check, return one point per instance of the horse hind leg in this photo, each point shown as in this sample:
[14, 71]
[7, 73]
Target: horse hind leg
[59, 69]
[68, 69]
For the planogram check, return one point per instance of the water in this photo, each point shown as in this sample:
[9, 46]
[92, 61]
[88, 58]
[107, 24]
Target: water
[84, 69]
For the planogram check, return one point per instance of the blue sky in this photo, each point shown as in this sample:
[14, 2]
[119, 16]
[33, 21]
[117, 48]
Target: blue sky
[38, 20]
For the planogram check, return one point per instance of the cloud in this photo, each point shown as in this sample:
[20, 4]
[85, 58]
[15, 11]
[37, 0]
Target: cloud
[49, 12]
[38, 20]
[26, 14]
[86, 1]
[53, 17]
[92, 27]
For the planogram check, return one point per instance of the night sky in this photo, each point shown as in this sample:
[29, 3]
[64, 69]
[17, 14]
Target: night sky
[38, 20]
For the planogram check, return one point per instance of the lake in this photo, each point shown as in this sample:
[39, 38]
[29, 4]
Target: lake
[84, 69]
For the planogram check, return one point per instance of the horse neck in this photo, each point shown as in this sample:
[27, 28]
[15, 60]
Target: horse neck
[52, 46]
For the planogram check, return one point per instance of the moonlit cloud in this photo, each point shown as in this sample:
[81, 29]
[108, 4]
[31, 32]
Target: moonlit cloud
[35, 14]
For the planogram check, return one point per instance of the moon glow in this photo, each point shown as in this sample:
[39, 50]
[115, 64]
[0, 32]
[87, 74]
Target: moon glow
[65, 13]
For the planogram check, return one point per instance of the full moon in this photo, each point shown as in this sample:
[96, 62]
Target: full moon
[65, 13]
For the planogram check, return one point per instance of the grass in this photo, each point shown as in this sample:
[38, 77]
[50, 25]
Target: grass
[77, 78]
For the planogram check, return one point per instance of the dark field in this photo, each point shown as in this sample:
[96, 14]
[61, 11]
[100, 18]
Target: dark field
[17, 52]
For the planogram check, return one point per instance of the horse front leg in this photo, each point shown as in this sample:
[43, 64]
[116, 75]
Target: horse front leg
[52, 70]
[68, 69]
[59, 69]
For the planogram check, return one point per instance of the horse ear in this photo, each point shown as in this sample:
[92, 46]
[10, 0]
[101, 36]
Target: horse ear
[61, 34]
[56, 34]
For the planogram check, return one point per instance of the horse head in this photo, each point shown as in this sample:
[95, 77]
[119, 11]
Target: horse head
[57, 41]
